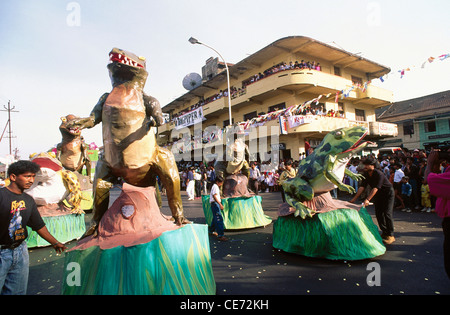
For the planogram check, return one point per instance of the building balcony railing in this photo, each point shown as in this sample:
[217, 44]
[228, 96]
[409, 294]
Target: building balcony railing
[310, 125]
[215, 106]
[168, 126]
[324, 124]
[295, 81]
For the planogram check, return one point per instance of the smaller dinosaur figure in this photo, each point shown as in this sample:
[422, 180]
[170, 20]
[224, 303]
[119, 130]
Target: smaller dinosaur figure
[236, 158]
[72, 151]
[234, 167]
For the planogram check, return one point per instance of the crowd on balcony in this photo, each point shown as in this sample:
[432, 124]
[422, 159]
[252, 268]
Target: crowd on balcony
[320, 111]
[204, 101]
[283, 66]
[235, 92]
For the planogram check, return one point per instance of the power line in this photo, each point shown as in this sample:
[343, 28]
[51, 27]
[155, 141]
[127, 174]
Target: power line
[8, 123]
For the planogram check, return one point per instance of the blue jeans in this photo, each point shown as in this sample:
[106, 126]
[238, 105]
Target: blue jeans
[217, 220]
[14, 269]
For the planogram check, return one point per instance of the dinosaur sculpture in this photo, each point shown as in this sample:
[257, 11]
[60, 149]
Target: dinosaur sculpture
[131, 154]
[234, 167]
[71, 151]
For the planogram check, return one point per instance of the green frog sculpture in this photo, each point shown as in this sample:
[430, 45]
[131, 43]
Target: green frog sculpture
[324, 169]
[131, 153]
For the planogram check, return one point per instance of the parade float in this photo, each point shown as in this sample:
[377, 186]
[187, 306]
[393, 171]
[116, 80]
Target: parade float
[58, 196]
[131, 247]
[242, 208]
[314, 224]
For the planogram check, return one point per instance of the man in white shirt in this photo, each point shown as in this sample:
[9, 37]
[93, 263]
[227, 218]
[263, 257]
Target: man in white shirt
[255, 174]
[217, 226]
[190, 184]
[398, 175]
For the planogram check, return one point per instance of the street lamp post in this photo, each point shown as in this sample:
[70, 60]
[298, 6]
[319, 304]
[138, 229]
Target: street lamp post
[193, 41]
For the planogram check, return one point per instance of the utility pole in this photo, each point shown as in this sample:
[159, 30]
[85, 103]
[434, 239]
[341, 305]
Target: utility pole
[8, 124]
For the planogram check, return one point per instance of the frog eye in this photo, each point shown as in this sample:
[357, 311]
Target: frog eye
[338, 135]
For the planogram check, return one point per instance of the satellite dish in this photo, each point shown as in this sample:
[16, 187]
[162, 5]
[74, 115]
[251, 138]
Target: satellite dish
[192, 81]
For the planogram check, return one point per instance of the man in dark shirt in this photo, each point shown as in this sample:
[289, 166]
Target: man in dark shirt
[383, 197]
[17, 211]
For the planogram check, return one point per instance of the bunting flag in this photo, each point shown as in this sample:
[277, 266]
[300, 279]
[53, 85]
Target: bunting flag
[283, 126]
[443, 57]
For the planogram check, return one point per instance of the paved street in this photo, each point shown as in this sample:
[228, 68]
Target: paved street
[248, 264]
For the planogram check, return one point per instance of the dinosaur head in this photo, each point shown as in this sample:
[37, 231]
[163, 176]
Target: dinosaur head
[343, 142]
[125, 66]
[65, 130]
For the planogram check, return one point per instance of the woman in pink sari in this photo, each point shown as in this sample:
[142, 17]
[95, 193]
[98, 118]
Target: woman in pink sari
[439, 184]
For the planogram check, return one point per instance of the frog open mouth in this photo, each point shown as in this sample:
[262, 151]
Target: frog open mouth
[359, 145]
[121, 58]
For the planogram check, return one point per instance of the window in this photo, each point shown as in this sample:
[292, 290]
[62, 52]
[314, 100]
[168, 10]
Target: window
[250, 115]
[226, 123]
[357, 80]
[430, 126]
[360, 115]
[277, 107]
[408, 128]
[337, 71]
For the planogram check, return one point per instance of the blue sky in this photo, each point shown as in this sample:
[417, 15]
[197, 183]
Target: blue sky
[49, 68]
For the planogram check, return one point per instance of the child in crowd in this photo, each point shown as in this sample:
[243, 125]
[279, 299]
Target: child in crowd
[425, 193]
[406, 193]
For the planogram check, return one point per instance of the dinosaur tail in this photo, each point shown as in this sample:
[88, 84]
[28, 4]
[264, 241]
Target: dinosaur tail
[73, 186]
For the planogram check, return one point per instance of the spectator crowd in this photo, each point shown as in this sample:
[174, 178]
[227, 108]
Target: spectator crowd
[405, 169]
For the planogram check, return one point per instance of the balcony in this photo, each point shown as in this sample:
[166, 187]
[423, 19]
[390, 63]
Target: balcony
[215, 107]
[374, 95]
[298, 82]
[166, 127]
[314, 124]
[311, 81]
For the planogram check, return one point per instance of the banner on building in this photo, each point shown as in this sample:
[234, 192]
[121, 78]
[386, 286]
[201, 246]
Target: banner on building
[283, 125]
[193, 117]
[295, 121]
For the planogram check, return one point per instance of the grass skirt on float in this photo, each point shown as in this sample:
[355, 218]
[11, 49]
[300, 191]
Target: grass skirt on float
[242, 208]
[238, 213]
[338, 230]
[60, 222]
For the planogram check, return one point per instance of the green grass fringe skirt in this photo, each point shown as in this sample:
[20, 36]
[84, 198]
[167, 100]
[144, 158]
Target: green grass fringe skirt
[176, 263]
[64, 228]
[342, 234]
[238, 213]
